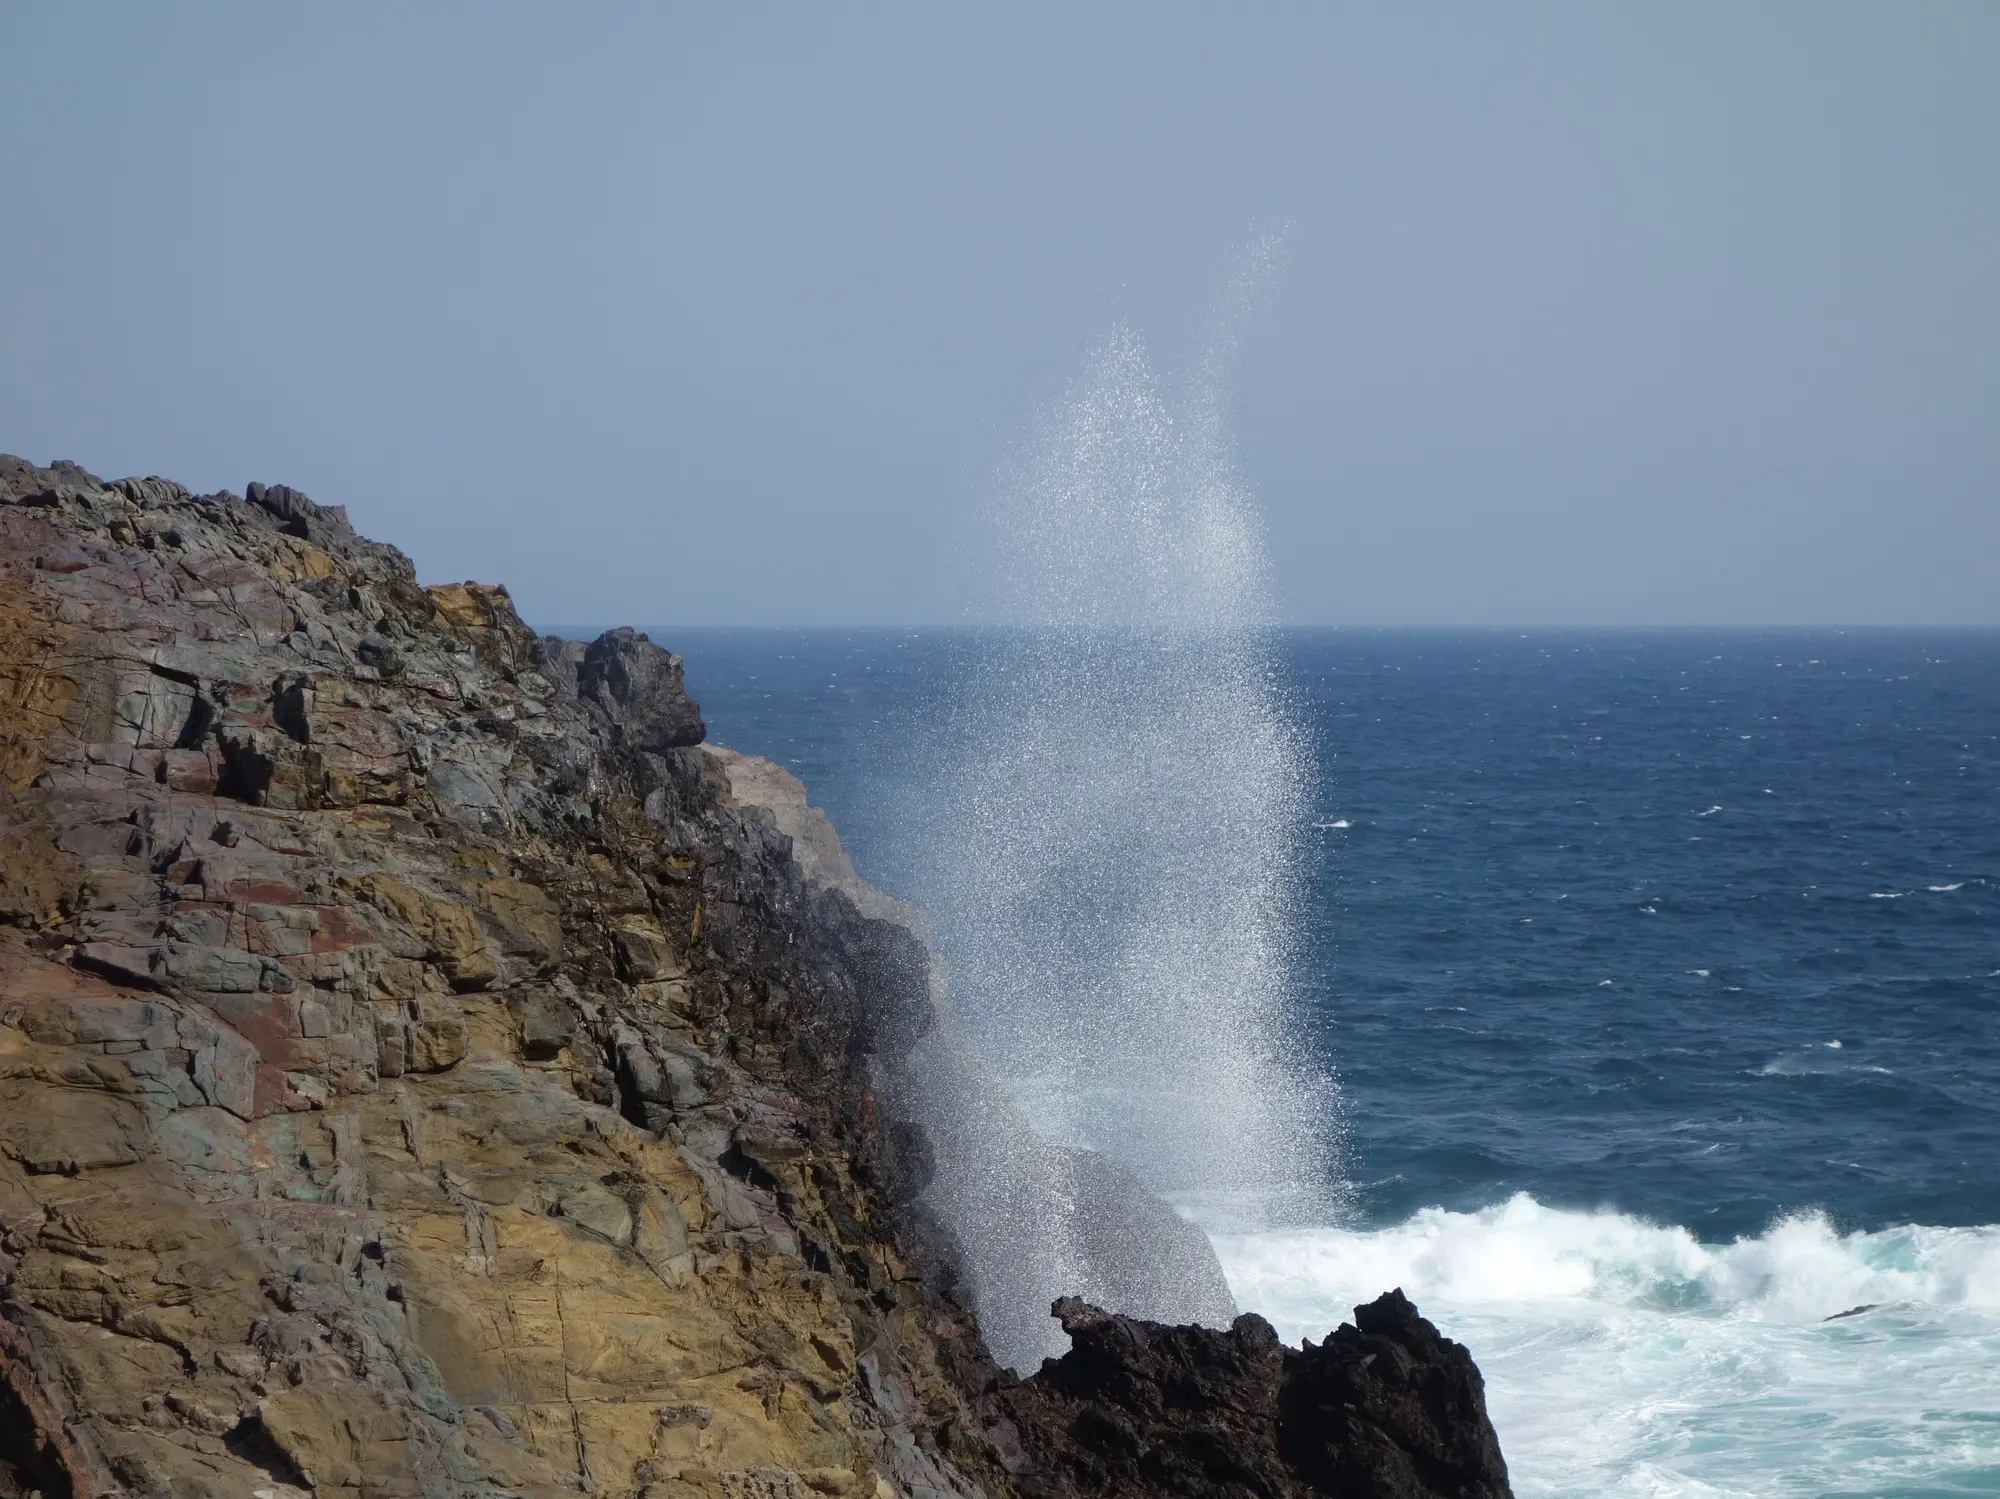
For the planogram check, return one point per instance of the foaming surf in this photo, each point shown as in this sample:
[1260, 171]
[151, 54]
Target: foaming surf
[1627, 1358]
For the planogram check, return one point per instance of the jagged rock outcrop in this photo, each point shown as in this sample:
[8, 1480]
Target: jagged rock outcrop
[426, 1068]
[1385, 1408]
[419, 1071]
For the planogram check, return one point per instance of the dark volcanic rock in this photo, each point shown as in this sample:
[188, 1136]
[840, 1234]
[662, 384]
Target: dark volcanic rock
[1384, 1409]
[1389, 1406]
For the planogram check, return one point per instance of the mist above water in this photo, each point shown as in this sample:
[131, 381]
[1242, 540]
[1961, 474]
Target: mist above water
[1116, 868]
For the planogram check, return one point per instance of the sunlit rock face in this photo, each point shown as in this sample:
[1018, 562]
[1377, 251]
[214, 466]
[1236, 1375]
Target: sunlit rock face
[420, 1070]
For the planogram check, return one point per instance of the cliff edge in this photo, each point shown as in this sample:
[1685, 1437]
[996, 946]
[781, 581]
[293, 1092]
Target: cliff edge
[427, 1068]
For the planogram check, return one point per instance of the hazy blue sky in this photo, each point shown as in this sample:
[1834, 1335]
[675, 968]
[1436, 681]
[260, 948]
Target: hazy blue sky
[1594, 312]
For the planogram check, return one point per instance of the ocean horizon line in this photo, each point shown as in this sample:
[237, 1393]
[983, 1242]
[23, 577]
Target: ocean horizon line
[571, 629]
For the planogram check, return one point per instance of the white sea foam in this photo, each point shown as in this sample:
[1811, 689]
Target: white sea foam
[1944, 889]
[1812, 1061]
[1801, 1270]
[1626, 1358]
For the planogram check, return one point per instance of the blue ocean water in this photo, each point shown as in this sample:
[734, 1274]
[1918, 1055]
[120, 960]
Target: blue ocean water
[1661, 971]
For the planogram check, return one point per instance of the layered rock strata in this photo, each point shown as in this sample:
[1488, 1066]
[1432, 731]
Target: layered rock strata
[427, 1068]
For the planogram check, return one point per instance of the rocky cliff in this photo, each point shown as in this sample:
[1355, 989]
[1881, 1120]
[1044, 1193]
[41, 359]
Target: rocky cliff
[426, 1067]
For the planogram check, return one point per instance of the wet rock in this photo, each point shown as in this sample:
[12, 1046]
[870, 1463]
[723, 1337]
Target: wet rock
[1385, 1408]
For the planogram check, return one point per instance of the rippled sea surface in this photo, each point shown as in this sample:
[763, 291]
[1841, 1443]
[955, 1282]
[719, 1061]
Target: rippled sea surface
[1662, 975]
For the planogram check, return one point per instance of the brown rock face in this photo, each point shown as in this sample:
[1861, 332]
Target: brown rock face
[419, 1072]
[427, 1069]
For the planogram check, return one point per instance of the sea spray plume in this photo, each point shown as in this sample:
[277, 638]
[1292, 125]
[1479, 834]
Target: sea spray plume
[1207, 399]
[1116, 882]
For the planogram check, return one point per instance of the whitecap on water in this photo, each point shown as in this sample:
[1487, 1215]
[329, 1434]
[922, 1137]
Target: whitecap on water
[1626, 1358]
[1812, 1061]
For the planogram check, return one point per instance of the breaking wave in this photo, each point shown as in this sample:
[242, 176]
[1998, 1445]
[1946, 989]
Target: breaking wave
[1627, 1358]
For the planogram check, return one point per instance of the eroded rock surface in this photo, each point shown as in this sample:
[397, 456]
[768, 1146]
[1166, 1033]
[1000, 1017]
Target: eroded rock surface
[426, 1068]
[420, 1073]
[1385, 1408]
